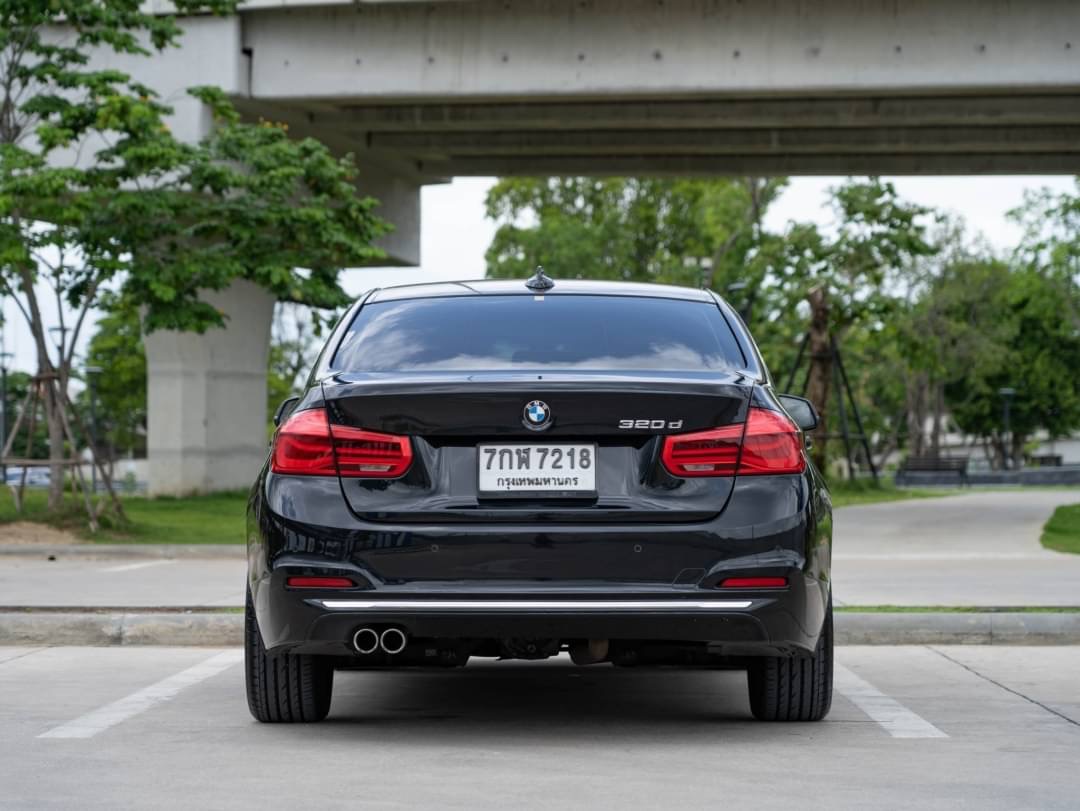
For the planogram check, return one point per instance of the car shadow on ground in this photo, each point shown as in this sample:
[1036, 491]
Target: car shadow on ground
[525, 701]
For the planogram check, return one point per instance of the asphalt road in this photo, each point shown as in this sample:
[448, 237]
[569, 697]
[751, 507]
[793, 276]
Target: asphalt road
[167, 728]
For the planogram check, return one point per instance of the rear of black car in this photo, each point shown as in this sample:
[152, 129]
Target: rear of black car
[481, 470]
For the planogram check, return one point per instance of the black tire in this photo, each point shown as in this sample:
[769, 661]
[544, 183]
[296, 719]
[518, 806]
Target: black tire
[286, 688]
[794, 689]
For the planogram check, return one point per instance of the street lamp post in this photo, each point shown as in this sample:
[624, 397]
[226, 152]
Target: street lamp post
[92, 373]
[1006, 393]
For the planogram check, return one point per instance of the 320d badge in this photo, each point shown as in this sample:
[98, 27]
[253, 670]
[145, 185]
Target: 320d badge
[476, 470]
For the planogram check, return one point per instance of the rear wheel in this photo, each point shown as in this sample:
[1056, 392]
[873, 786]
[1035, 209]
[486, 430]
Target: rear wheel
[794, 689]
[287, 688]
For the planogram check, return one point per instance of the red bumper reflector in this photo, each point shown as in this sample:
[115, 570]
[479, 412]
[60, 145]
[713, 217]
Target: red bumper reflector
[320, 583]
[754, 583]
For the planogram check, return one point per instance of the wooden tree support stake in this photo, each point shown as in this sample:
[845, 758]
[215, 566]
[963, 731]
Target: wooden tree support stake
[28, 414]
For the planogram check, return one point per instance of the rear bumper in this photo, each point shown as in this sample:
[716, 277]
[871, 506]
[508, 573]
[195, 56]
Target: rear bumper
[781, 622]
[632, 581]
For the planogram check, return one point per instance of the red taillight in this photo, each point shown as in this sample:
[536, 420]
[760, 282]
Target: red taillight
[767, 443]
[307, 445]
[772, 444]
[319, 583]
[753, 583]
[302, 446]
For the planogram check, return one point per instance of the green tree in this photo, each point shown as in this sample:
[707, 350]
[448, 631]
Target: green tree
[95, 190]
[846, 279]
[18, 383]
[117, 347]
[1051, 223]
[52, 105]
[692, 232]
[1018, 328]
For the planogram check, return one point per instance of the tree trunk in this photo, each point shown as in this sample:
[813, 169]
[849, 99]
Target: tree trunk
[1000, 451]
[56, 448]
[817, 385]
[53, 419]
[916, 414]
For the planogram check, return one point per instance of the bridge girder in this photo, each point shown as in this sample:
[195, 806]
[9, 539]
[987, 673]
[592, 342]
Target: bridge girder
[680, 86]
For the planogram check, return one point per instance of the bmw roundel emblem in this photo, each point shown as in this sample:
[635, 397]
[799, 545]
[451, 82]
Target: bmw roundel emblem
[537, 415]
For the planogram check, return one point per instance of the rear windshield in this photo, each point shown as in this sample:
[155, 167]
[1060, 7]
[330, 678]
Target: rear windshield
[592, 333]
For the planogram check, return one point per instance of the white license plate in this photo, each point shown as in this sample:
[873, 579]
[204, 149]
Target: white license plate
[545, 469]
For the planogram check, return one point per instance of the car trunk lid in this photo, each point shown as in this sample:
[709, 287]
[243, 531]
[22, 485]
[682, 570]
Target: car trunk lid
[448, 417]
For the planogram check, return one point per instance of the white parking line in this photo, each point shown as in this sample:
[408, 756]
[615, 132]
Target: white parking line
[89, 725]
[890, 714]
[130, 567]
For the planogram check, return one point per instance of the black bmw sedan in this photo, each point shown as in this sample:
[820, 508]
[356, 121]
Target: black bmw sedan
[515, 469]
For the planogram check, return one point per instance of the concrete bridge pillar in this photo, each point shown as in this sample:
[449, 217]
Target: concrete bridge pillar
[206, 401]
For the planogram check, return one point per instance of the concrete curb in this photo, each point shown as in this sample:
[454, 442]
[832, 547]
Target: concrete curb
[88, 551]
[958, 628]
[210, 628]
[100, 629]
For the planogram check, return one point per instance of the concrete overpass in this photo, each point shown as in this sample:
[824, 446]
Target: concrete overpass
[423, 91]
[678, 86]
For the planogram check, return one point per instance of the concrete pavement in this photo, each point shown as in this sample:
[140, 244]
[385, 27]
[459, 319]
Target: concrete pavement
[911, 727]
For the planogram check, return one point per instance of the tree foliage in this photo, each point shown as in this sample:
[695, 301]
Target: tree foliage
[117, 349]
[673, 231]
[96, 193]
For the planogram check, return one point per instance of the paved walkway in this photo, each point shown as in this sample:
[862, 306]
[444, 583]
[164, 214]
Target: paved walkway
[977, 549]
[117, 582]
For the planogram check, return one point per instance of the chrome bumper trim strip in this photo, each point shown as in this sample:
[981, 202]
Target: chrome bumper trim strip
[533, 605]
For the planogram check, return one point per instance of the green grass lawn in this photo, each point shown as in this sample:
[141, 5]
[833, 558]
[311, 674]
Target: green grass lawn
[218, 518]
[1062, 531]
[864, 491]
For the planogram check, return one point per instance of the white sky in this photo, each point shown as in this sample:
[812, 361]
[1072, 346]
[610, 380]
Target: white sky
[455, 233]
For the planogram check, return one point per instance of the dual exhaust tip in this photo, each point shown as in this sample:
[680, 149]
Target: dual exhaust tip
[391, 640]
